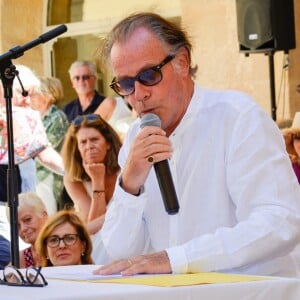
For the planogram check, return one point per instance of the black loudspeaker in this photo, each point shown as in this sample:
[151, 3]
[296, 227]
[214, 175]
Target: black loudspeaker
[265, 25]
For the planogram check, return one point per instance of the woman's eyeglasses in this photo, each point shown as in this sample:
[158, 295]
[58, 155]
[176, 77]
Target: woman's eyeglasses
[53, 241]
[33, 277]
[148, 77]
[83, 77]
[89, 118]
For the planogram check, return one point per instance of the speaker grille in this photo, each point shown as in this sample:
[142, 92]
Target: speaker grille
[265, 25]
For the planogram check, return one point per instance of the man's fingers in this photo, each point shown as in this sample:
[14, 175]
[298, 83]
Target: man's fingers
[156, 263]
[113, 268]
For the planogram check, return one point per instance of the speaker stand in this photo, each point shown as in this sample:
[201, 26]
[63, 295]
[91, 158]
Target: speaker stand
[272, 84]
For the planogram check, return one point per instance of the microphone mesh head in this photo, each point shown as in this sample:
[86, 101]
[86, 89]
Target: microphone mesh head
[150, 120]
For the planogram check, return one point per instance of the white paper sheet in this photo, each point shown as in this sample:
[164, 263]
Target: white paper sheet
[75, 272]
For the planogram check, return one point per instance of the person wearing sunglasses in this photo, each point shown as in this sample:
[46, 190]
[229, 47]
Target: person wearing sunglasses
[236, 214]
[64, 241]
[83, 77]
[90, 155]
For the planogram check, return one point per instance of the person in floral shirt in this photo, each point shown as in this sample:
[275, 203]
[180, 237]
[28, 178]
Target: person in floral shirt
[44, 98]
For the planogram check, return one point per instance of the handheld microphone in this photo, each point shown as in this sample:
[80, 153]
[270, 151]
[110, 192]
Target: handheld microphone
[163, 173]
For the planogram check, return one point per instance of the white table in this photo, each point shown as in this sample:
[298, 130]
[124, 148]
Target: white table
[279, 289]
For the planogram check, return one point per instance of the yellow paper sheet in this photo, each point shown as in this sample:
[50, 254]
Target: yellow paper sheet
[184, 279]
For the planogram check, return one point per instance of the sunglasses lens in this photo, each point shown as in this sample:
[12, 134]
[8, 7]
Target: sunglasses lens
[93, 117]
[124, 87]
[90, 118]
[78, 121]
[83, 77]
[150, 77]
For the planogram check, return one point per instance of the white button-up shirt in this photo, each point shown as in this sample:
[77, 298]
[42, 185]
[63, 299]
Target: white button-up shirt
[239, 197]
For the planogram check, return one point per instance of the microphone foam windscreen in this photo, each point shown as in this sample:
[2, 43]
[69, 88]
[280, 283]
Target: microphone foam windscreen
[150, 120]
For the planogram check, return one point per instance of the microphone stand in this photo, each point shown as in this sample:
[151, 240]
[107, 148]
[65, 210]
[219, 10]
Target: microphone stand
[7, 74]
[7, 77]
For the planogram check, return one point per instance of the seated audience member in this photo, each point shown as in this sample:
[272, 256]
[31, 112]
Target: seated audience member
[117, 113]
[90, 155]
[4, 252]
[32, 215]
[44, 98]
[83, 77]
[48, 157]
[30, 139]
[239, 199]
[64, 241]
[292, 142]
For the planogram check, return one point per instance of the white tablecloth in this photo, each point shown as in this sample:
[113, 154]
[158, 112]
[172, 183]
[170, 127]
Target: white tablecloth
[57, 289]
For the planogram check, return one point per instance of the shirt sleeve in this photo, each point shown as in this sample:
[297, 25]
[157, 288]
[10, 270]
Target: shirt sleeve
[56, 127]
[125, 217]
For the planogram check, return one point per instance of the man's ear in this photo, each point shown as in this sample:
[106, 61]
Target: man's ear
[183, 61]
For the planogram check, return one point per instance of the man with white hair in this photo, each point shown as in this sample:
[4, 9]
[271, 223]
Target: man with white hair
[83, 79]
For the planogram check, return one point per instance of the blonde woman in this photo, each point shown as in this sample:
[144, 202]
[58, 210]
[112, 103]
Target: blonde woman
[64, 241]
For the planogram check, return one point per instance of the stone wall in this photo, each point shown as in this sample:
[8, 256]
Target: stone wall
[21, 22]
[213, 29]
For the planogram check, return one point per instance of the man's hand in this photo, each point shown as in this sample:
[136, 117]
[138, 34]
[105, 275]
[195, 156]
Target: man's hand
[155, 263]
[151, 141]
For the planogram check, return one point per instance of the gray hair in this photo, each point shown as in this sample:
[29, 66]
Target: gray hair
[31, 200]
[169, 33]
[81, 63]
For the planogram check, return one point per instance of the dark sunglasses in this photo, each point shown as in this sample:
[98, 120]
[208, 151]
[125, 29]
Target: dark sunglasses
[148, 77]
[88, 118]
[83, 77]
[33, 277]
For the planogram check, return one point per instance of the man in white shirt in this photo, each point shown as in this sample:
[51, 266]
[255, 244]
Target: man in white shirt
[239, 198]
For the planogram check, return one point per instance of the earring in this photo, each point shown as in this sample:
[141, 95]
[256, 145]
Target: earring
[47, 257]
[82, 254]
